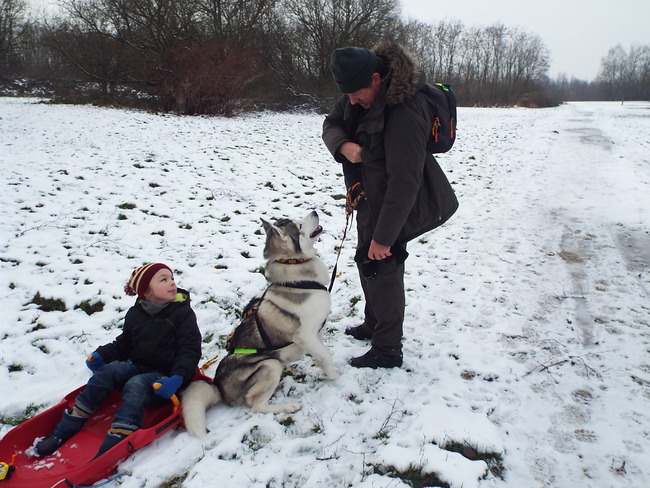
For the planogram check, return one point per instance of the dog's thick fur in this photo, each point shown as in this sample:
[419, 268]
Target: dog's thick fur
[281, 325]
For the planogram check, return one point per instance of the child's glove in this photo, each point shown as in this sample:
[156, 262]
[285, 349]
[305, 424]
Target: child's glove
[94, 361]
[166, 387]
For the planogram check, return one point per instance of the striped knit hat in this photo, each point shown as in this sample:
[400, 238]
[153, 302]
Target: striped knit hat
[138, 284]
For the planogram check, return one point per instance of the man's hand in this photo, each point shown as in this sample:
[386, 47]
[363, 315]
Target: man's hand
[378, 251]
[352, 151]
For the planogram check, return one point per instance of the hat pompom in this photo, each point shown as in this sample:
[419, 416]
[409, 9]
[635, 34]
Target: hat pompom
[129, 290]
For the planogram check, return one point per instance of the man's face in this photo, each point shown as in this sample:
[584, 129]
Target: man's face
[366, 96]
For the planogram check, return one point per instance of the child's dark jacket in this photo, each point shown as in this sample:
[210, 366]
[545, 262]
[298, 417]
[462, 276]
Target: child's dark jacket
[168, 342]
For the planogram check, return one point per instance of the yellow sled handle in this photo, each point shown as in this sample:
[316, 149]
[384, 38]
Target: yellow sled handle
[173, 398]
[6, 470]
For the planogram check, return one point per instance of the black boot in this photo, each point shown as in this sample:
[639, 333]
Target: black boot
[112, 439]
[66, 428]
[372, 359]
[360, 332]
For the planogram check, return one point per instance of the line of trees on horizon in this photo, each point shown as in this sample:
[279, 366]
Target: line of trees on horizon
[217, 56]
[624, 75]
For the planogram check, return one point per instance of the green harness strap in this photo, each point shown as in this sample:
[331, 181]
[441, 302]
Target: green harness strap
[245, 351]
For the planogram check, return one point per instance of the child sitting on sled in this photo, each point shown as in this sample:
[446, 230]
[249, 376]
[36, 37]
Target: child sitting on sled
[160, 343]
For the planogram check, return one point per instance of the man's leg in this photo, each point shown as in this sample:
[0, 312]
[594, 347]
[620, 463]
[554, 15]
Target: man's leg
[385, 297]
[383, 289]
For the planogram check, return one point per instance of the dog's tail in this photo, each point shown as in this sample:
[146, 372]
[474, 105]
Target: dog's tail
[196, 399]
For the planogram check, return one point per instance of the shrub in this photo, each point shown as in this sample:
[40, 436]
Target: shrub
[206, 79]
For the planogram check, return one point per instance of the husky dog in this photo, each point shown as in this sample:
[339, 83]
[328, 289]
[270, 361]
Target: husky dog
[278, 326]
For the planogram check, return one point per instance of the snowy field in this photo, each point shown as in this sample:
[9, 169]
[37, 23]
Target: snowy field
[528, 313]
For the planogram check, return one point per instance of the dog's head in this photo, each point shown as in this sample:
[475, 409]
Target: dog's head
[292, 238]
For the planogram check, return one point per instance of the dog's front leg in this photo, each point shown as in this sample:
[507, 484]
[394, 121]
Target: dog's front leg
[316, 349]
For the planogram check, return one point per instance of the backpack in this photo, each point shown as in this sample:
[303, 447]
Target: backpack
[442, 101]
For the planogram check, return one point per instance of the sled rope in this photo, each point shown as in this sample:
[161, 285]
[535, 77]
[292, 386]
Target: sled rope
[97, 485]
[208, 363]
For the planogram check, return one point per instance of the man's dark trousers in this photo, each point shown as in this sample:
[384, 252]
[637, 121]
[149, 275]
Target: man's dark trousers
[384, 293]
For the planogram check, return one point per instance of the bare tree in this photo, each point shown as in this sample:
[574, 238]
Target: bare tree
[469, 65]
[318, 27]
[493, 65]
[627, 74]
[237, 22]
[614, 71]
[14, 28]
[149, 28]
[448, 38]
[92, 56]
[643, 72]
[420, 39]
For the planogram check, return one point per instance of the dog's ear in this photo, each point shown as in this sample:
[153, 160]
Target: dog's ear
[268, 227]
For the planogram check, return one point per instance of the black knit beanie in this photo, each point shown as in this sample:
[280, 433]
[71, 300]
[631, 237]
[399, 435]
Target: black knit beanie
[352, 68]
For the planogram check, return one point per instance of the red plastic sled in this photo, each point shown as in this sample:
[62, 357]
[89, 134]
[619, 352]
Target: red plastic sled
[73, 464]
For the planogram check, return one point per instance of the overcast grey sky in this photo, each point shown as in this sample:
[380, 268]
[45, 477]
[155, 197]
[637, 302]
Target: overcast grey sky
[579, 33]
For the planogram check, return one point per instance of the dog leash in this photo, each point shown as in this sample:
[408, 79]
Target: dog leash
[352, 198]
[338, 255]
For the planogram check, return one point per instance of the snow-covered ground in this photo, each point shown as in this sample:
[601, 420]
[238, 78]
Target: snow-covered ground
[528, 313]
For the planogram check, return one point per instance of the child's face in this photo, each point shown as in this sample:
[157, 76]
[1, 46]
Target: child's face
[162, 288]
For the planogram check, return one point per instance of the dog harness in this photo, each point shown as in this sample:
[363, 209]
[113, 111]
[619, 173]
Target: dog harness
[251, 310]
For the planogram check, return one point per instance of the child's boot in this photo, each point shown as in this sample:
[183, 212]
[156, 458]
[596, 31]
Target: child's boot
[68, 426]
[113, 437]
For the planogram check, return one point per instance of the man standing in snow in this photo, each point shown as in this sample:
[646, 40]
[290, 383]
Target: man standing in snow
[378, 131]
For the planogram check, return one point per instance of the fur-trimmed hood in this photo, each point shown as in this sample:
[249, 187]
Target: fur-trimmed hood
[406, 76]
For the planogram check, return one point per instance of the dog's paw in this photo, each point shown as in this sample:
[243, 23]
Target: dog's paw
[292, 407]
[332, 374]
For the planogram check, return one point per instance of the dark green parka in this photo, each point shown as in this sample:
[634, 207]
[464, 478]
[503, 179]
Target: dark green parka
[407, 192]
